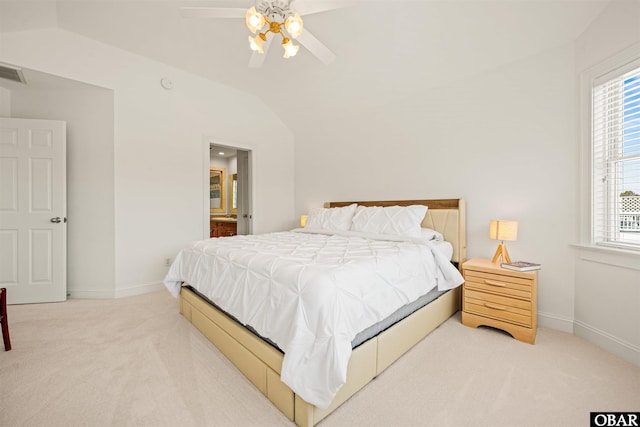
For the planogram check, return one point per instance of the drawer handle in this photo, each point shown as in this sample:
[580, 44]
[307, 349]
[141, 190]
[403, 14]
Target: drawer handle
[493, 283]
[494, 306]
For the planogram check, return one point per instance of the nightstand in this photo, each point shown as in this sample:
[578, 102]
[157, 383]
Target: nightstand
[503, 299]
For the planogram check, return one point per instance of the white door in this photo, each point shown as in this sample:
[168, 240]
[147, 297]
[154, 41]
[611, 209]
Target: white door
[33, 209]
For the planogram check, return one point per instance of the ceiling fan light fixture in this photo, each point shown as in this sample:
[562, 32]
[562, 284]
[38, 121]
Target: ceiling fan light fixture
[293, 25]
[289, 48]
[255, 21]
[274, 16]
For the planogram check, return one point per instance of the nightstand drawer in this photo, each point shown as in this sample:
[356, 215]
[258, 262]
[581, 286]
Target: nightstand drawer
[499, 284]
[498, 299]
[507, 313]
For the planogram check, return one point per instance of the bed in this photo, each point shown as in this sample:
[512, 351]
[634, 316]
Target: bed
[261, 360]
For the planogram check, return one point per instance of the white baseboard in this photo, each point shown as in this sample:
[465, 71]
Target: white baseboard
[553, 321]
[613, 344]
[117, 293]
[90, 294]
[138, 290]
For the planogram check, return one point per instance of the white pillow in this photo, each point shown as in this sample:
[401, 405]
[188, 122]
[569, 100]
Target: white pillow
[398, 220]
[338, 219]
[430, 234]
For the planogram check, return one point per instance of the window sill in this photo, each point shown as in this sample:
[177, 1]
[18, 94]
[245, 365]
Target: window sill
[608, 255]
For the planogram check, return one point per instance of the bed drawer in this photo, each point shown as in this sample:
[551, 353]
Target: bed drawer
[256, 370]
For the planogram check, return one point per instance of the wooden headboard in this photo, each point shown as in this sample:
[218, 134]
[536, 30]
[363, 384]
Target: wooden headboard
[446, 216]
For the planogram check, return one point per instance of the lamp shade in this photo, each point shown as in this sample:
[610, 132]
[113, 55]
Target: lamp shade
[303, 220]
[503, 230]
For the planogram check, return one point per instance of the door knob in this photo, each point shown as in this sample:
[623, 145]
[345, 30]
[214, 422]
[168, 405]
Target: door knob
[56, 220]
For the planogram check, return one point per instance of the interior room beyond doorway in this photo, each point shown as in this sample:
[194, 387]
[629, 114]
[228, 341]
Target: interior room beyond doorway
[229, 202]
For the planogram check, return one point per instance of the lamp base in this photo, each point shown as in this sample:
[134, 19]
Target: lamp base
[501, 252]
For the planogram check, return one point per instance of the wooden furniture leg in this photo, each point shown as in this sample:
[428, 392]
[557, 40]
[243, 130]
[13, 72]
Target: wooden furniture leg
[501, 252]
[3, 319]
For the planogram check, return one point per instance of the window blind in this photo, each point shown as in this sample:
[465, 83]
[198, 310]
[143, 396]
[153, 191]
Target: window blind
[616, 158]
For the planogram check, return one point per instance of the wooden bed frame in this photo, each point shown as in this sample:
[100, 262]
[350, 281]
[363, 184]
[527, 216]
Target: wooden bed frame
[261, 363]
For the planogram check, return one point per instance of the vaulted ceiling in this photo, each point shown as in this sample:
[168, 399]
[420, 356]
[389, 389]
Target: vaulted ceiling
[386, 49]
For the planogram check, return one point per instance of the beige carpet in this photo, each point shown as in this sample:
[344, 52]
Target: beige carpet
[129, 362]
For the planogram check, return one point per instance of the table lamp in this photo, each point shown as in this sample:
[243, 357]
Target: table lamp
[502, 230]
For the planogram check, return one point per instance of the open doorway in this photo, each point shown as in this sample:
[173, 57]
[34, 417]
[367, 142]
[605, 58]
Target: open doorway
[229, 198]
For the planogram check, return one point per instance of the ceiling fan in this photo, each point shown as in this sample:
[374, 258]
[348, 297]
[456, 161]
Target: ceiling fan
[276, 17]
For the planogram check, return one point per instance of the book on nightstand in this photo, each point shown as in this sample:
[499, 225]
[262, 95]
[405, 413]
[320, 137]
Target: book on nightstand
[520, 266]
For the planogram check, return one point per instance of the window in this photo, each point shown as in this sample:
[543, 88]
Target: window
[615, 137]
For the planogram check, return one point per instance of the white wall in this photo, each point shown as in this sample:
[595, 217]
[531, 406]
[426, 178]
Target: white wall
[503, 140]
[90, 193]
[5, 102]
[158, 173]
[607, 286]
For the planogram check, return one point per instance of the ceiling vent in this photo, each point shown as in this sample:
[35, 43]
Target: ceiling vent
[12, 73]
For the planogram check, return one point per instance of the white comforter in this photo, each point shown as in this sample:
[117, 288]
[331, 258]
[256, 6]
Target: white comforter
[312, 292]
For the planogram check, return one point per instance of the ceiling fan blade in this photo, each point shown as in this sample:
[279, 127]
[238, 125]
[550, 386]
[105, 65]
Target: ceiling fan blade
[316, 47]
[257, 59]
[307, 7]
[212, 12]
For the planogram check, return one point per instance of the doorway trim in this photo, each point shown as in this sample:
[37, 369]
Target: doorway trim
[206, 163]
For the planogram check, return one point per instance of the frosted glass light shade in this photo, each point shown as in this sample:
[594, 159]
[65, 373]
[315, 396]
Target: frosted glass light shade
[503, 230]
[255, 43]
[293, 25]
[290, 49]
[254, 20]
